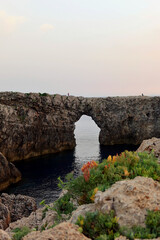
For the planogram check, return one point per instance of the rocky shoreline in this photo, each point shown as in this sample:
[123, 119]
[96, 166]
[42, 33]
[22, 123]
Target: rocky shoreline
[130, 199]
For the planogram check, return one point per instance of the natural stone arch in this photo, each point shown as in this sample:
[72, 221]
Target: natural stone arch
[37, 124]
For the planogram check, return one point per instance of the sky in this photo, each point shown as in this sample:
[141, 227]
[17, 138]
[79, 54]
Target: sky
[82, 47]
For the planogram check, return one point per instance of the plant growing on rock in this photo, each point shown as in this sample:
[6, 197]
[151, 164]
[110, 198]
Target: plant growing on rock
[127, 165]
[97, 225]
[20, 232]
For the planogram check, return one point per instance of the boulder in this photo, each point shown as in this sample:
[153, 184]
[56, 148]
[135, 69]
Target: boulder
[4, 235]
[18, 205]
[150, 145]
[38, 219]
[14, 207]
[130, 199]
[8, 173]
[62, 231]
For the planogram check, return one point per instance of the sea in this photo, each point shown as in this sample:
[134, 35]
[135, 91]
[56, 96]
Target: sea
[39, 175]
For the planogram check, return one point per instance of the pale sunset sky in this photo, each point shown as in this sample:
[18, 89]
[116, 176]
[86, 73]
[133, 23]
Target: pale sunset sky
[81, 47]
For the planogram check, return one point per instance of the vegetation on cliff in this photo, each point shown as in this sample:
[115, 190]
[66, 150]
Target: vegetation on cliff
[127, 165]
[99, 177]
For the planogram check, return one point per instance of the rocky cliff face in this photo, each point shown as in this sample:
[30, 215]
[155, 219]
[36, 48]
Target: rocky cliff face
[35, 124]
[8, 173]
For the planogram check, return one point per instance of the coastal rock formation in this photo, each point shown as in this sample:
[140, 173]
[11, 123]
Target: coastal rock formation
[62, 231]
[14, 207]
[130, 199]
[35, 124]
[5, 217]
[36, 219]
[150, 145]
[8, 173]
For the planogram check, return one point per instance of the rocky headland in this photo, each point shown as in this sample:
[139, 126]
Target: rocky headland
[34, 124]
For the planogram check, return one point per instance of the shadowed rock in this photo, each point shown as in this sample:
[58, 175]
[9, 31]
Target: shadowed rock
[14, 207]
[8, 173]
[36, 124]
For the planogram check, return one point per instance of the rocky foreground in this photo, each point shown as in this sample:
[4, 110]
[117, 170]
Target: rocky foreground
[130, 199]
[34, 124]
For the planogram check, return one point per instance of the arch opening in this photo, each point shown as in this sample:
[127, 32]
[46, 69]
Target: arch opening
[87, 140]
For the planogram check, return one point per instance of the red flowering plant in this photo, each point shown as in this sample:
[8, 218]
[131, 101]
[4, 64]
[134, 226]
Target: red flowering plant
[86, 169]
[101, 176]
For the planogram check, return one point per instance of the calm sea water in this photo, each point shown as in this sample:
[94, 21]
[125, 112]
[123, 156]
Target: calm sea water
[40, 174]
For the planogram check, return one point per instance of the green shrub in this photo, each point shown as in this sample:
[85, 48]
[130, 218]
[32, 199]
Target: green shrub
[98, 226]
[20, 232]
[102, 176]
[153, 222]
[43, 94]
[63, 205]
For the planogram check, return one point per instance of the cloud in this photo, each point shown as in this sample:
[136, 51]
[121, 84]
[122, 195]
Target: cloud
[8, 23]
[46, 27]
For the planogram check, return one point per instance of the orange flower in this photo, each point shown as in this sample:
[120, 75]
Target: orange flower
[94, 193]
[109, 159]
[126, 173]
[114, 159]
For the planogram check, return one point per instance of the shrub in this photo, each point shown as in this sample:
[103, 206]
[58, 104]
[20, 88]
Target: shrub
[63, 205]
[97, 225]
[20, 232]
[101, 176]
[43, 94]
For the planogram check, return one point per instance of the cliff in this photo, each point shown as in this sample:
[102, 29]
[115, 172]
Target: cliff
[34, 124]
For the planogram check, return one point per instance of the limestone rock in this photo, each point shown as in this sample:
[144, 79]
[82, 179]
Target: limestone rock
[149, 145]
[130, 199]
[8, 173]
[4, 235]
[37, 219]
[35, 124]
[62, 231]
[14, 207]
[5, 217]
[18, 205]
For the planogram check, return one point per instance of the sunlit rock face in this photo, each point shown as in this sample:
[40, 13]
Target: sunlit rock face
[35, 124]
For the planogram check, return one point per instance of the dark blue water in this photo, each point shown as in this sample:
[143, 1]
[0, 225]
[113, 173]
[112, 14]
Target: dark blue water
[40, 174]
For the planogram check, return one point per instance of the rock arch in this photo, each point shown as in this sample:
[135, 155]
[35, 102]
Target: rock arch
[35, 124]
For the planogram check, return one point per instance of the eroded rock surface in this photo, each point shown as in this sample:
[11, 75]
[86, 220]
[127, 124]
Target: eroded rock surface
[8, 173]
[35, 124]
[62, 231]
[14, 207]
[130, 199]
[4, 235]
[38, 219]
[150, 145]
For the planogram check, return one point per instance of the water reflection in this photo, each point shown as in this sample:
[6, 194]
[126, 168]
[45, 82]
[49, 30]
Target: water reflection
[40, 174]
